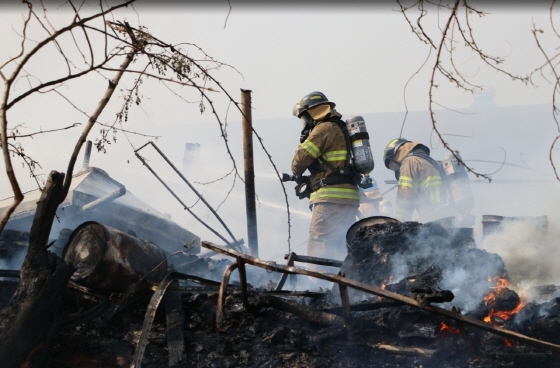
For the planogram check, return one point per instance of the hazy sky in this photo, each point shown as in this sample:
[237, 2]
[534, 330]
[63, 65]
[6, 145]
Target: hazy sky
[360, 56]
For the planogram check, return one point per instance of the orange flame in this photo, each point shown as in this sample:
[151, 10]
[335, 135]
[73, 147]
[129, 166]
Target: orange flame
[501, 285]
[489, 299]
[445, 328]
[386, 282]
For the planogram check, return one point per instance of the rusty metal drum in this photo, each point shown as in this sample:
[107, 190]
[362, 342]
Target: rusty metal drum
[109, 260]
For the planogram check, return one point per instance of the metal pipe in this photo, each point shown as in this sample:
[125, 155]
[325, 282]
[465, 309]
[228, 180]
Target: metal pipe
[180, 201]
[105, 199]
[222, 294]
[314, 260]
[385, 294]
[148, 321]
[193, 189]
[250, 203]
[290, 257]
[87, 155]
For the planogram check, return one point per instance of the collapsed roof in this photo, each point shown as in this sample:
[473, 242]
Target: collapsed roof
[95, 196]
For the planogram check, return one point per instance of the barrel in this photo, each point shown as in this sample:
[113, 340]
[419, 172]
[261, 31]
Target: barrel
[493, 224]
[108, 260]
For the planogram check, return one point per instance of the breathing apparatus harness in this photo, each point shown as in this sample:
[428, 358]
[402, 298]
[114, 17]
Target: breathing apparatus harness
[419, 152]
[345, 175]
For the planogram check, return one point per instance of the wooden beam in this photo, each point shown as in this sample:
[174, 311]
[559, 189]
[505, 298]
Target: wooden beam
[174, 319]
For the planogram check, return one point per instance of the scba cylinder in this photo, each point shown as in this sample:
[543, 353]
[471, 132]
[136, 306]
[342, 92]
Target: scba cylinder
[458, 184]
[359, 138]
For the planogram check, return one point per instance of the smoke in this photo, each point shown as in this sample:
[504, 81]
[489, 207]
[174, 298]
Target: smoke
[529, 252]
[15, 261]
[465, 270]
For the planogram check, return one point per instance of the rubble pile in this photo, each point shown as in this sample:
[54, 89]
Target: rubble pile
[379, 251]
[308, 329]
[269, 337]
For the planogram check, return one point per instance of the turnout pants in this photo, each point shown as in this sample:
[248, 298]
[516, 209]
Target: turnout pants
[327, 232]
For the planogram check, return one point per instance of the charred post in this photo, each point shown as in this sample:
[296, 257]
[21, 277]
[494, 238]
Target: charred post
[247, 122]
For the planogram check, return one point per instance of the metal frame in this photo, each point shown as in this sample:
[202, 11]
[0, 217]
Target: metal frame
[343, 282]
[293, 257]
[234, 244]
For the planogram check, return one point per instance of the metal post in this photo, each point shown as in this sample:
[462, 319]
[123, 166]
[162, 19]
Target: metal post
[87, 154]
[251, 207]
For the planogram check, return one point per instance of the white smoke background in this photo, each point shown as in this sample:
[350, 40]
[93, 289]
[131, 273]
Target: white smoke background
[530, 255]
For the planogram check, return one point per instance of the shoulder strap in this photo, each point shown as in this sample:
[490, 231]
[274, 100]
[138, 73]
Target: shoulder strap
[434, 163]
[342, 125]
[338, 176]
[439, 168]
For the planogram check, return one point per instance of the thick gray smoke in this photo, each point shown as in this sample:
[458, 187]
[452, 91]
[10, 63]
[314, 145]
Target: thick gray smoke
[466, 271]
[530, 255]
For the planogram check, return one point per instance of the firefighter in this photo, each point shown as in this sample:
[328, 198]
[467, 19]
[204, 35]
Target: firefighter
[325, 152]
[420, 181]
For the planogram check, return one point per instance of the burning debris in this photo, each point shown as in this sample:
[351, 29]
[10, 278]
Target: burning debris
[202, 324]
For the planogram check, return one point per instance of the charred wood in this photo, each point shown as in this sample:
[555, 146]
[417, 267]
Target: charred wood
[30, 322]
[386, 294]
[323, 318]
[364, 307]
[403, 350]
[175, 338]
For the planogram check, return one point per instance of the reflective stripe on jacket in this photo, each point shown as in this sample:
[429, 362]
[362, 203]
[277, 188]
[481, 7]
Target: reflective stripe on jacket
[326, 140]
[420, 188]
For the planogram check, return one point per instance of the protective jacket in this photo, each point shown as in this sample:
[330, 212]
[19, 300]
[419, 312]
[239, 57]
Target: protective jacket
[420, 186]
[327, 141]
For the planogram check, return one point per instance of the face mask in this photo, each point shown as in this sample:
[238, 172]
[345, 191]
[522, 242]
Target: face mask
[393, 165]
[306, 126]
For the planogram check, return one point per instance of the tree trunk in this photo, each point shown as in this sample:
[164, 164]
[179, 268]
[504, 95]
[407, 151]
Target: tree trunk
[29, 323]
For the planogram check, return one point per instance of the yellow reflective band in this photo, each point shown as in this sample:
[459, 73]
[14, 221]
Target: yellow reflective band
[435, 195]
[335, 155]
[406, 181]
[311, 148]
[431, 181]
[393, 142]
[332, 193]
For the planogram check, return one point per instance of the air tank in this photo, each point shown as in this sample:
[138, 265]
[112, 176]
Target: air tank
[108, 260]
[359, 139]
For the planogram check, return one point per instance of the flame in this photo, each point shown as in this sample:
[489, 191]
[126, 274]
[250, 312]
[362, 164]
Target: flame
[501, 285]
[489, 299]
[445, 328]
[386, 282]
[507, 343]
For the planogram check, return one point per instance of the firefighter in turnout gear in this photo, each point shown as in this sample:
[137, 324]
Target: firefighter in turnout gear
[420, 181]
[325, 152]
